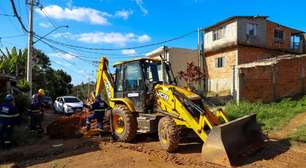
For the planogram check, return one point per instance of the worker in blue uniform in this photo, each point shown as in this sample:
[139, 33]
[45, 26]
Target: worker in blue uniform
[98, 107]
[8, 118]
[37, 112]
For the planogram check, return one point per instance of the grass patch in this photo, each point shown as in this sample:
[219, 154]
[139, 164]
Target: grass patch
[299, 135]
[271, 116]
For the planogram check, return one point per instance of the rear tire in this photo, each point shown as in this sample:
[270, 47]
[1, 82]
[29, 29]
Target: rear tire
[169, 134]
[124, 123]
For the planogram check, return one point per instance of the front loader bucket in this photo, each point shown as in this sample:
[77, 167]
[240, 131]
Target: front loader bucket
[229, 142]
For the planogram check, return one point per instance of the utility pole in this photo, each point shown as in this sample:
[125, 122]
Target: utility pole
[88, 85]
[31, 3]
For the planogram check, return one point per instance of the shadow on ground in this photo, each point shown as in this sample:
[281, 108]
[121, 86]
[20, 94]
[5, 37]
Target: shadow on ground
[272, 148]
[54, 149]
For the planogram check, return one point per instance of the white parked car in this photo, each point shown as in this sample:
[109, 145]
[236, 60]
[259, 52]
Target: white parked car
[68, 105]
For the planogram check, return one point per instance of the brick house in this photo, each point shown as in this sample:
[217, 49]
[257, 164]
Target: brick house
[178, 57]
[240, 40]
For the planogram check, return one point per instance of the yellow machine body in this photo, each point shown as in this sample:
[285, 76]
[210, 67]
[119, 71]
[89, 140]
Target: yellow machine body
[224, 140]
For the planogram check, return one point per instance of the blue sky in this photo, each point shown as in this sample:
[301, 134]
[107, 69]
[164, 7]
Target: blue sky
[125, 23]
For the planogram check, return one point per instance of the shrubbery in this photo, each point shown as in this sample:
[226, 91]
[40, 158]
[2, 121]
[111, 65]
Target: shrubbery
[271, 116]
[22, 102]
[23, 85]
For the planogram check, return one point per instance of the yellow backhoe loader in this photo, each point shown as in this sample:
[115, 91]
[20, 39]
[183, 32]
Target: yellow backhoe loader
[145, 98]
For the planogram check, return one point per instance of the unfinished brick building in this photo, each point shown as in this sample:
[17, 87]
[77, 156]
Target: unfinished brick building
[272, 79]
[240, 40]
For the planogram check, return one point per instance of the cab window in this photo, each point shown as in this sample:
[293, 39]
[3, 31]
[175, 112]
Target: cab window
[119, 79]
[133, 76]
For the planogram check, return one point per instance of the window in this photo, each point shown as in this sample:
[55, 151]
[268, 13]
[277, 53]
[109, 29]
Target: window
[133, 76]
[152, 72]
[119, 79]
[71, 100]
[278, 35]
[219, 62]
[296, 41]
[219, 33]
[251, 29]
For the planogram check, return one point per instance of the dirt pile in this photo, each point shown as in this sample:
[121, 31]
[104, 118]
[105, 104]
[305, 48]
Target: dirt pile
[67, 126]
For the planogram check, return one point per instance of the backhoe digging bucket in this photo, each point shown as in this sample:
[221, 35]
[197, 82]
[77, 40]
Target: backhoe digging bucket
[228, 143]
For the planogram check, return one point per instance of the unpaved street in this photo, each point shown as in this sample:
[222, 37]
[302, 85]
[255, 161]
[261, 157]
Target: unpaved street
[144, 152]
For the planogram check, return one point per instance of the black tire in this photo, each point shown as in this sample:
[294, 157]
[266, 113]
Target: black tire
[125, 127]
[169, 134]
[54, 110]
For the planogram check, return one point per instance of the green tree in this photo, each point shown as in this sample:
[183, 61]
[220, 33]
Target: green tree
[13, 62]
[55, 82]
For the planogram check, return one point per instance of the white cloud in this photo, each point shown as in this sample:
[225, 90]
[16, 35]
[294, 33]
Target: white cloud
[44, 25]
[124, 14]
[66, 56]
[128, 52]
[116, 38]
[144, 38]
[76, 13]
[142, 8]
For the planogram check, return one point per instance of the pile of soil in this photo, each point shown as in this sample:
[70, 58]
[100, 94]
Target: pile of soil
[67, 126]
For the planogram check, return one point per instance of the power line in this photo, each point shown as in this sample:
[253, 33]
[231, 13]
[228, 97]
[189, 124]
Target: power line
[125, 48]
[18, 17]
[84, 58]
[63, 51]
[104, 54]
[63, 66]
[9, 15]
[12, 36]
[47, 16]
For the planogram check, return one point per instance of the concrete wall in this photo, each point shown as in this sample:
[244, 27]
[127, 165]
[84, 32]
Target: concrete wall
[220, 80]
[230, 37]
[261, 29]
[273, 81]
[179, 57]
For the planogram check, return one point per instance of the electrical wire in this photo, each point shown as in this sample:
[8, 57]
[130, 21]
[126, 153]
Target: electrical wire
[66, 52]
[9, 15]
[48, 18]
[124, 48]
[18, 17]
[80, 56]
[12, 36]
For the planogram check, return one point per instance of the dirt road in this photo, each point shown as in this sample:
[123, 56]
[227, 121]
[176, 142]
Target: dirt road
[145, 152]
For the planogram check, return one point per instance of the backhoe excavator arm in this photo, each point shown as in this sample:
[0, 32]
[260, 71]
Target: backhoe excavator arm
[105, 83]
[105, 86]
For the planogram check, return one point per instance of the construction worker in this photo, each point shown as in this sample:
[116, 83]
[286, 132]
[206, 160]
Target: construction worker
[99, 107]
[37, 111]
[8, 118]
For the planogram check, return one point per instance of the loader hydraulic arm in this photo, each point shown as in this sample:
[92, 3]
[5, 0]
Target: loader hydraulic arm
[189, 114]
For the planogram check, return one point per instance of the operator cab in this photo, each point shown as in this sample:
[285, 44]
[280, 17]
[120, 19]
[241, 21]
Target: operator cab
[136, 79]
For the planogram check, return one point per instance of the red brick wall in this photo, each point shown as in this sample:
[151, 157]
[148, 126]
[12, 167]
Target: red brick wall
[251, 54]
[271, 26]
[256, 83]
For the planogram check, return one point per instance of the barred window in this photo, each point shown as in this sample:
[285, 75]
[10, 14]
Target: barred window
[219, 62]
[219, 33]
